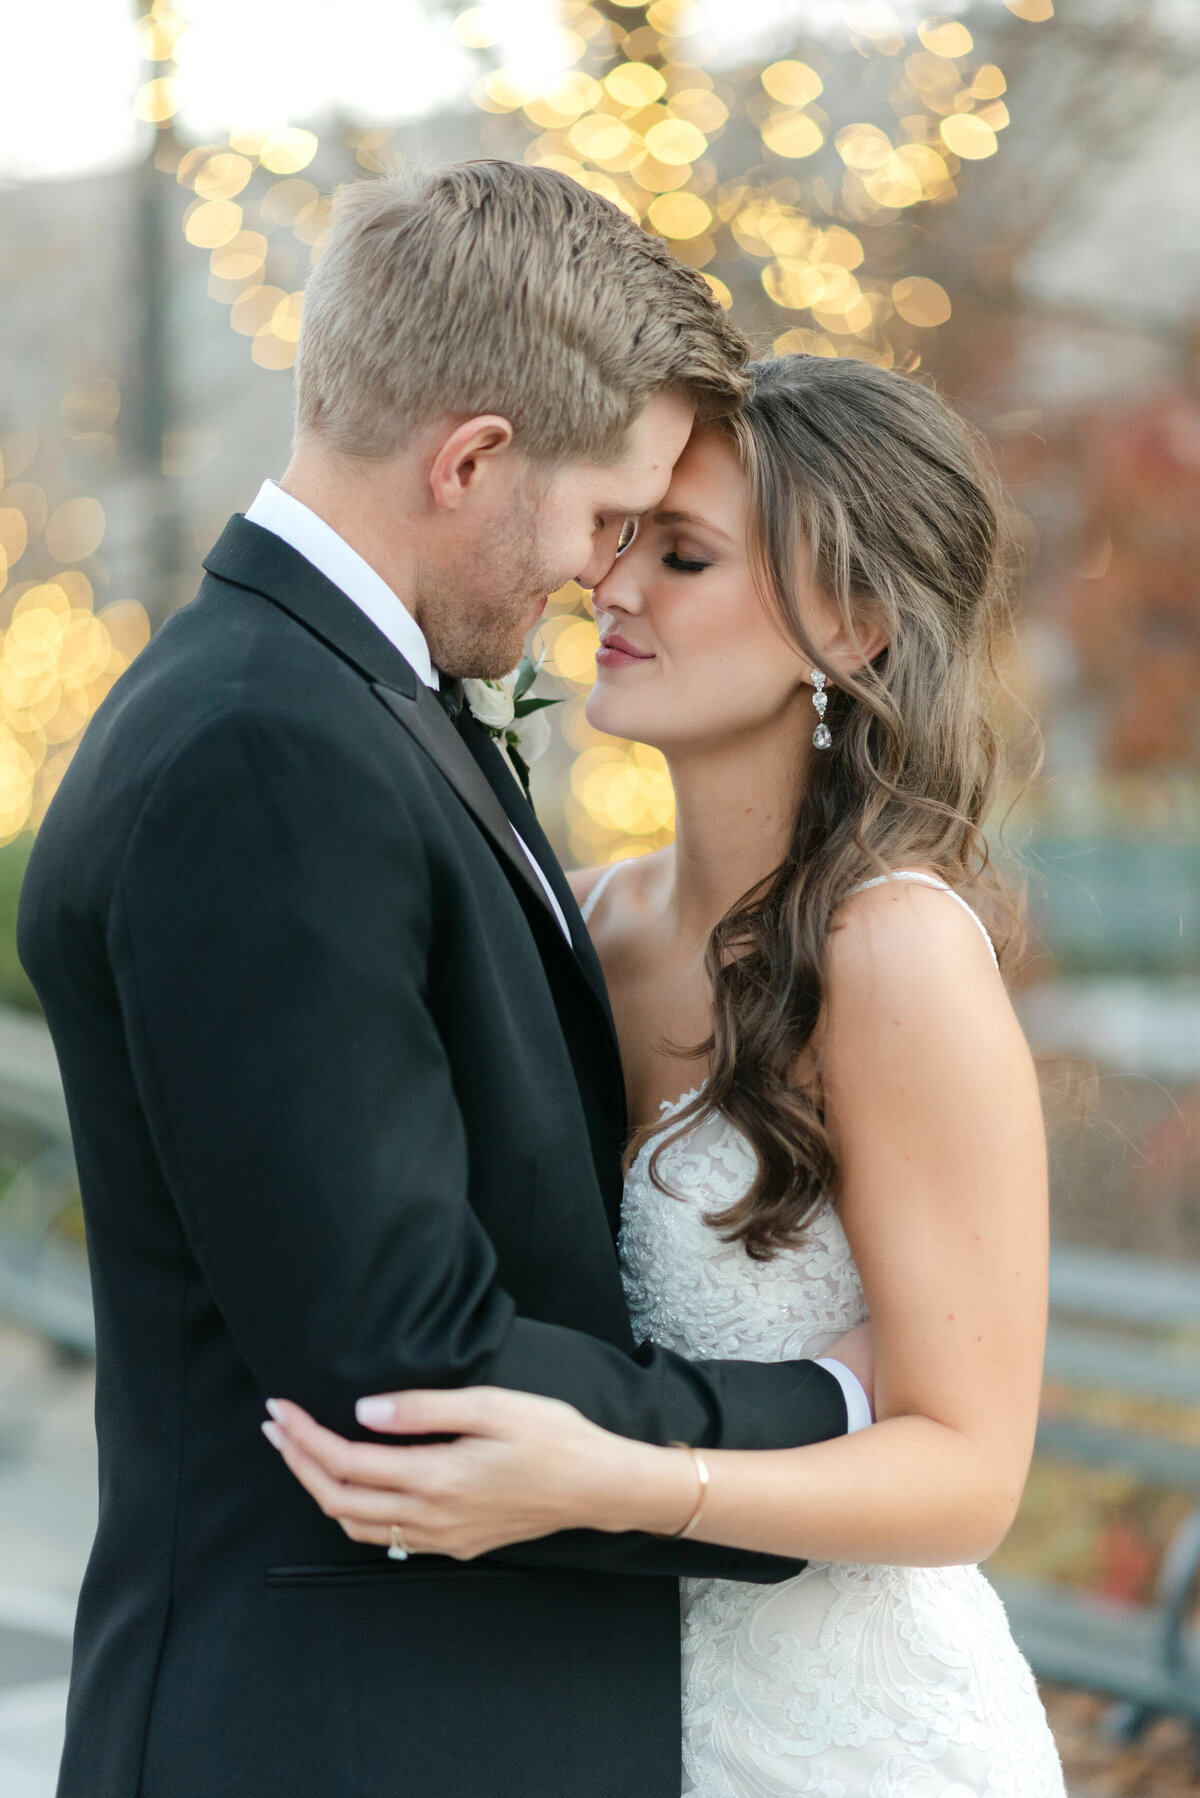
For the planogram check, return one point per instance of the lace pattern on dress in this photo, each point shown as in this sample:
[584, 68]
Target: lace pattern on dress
[847, 1681]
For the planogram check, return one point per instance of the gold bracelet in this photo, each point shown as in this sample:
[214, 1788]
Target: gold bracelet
[702, 1476]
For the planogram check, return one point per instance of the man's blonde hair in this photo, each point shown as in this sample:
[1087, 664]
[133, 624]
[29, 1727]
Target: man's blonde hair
[493, 287]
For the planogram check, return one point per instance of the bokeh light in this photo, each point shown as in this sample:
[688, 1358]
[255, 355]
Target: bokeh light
[623, 100]
[60, 652]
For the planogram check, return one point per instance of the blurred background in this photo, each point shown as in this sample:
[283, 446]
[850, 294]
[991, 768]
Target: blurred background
[1003, 197]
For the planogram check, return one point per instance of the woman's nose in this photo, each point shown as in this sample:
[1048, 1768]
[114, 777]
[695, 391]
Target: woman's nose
[618, 591]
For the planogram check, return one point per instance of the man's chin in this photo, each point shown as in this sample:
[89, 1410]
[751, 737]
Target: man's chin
[493, 647]
[485, 661]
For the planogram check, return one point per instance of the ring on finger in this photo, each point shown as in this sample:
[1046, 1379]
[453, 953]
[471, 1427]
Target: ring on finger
[399, 1551]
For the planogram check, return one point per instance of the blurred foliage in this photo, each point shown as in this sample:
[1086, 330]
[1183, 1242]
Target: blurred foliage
[1104, 1530]
[14, 982]
[1099, 1530]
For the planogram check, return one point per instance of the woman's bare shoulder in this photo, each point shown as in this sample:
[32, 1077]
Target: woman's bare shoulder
[631, 875]
[905, 929]
[906, 938]
[582, 880]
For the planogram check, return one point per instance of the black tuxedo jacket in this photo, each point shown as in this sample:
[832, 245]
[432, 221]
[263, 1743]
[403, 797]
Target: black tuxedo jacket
[348, 1115]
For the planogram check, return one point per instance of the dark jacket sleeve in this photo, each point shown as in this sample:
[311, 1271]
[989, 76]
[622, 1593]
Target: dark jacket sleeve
[270, 934]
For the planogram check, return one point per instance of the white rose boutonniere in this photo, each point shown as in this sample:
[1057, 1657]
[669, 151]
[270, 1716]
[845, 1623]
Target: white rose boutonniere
[492, 703]
[506, 712]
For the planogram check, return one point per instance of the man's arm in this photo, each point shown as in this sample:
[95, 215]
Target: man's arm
[271, 935]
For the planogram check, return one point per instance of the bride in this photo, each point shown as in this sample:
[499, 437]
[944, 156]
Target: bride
[805, 629]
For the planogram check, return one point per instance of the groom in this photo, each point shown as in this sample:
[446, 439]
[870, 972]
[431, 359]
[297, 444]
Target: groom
[343, 1082]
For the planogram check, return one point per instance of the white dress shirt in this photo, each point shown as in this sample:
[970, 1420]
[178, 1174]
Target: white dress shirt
[287, 517]
[858, 1405]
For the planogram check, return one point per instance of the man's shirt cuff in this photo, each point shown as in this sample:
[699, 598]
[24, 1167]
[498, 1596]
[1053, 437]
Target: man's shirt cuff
[858, 1406]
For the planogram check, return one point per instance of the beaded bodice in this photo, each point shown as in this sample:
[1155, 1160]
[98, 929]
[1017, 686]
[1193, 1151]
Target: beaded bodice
[687, 1289]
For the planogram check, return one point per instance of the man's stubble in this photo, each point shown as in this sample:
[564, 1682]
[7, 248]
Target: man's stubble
[477, 622]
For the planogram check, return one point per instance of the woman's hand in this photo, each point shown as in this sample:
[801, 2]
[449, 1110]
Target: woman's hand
[522, 1466]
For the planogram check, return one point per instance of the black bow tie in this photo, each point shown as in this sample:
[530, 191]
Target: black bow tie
[451, 697]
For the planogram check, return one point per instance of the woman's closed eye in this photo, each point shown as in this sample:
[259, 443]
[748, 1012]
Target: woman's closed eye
[682, 564]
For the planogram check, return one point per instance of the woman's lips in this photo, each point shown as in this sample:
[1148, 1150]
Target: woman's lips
[615, 652]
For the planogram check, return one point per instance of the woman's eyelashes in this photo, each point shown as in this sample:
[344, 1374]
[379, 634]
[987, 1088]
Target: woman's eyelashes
[683, 565]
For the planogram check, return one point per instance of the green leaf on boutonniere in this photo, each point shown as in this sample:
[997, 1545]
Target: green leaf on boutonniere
[527, 673]
[524, 707]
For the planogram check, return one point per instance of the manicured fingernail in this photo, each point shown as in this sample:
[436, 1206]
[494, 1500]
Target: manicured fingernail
[273, 1434]
[276, 1409]
[375, 1410]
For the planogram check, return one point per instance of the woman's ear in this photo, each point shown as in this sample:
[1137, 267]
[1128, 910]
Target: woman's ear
[849, 651]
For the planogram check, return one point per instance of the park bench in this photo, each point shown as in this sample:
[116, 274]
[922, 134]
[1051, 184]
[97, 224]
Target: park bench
[1146, 1657]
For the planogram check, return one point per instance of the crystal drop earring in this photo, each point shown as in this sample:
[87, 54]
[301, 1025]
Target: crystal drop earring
[821, 736]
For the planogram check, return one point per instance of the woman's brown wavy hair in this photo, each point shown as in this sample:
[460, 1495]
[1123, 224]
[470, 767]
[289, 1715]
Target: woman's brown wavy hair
[866, 484]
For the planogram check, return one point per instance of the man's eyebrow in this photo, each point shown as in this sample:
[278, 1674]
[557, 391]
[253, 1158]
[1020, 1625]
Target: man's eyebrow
[705, 524]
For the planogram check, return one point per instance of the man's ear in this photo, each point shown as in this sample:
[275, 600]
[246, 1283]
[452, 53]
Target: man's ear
[466, 456]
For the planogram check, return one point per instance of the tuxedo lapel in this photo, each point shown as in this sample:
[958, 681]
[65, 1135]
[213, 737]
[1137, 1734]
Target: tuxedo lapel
[248, 556]
[602, 1041]
[425, 721]
[524, 820]
[475, 768]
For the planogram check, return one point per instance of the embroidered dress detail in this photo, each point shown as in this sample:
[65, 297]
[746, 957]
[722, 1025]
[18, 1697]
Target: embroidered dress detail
[848, 1681]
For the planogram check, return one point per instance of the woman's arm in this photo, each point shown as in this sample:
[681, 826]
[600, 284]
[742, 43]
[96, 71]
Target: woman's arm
[932, 1099]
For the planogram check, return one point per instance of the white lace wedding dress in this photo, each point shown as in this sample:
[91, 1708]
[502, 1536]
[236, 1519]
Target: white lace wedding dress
[848, 1681]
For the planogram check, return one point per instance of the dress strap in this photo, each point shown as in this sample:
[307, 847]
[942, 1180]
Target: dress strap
[928, 880]
[589, 904]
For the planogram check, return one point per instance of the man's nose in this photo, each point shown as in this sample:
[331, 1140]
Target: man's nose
[602, 560]
[600, 564]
